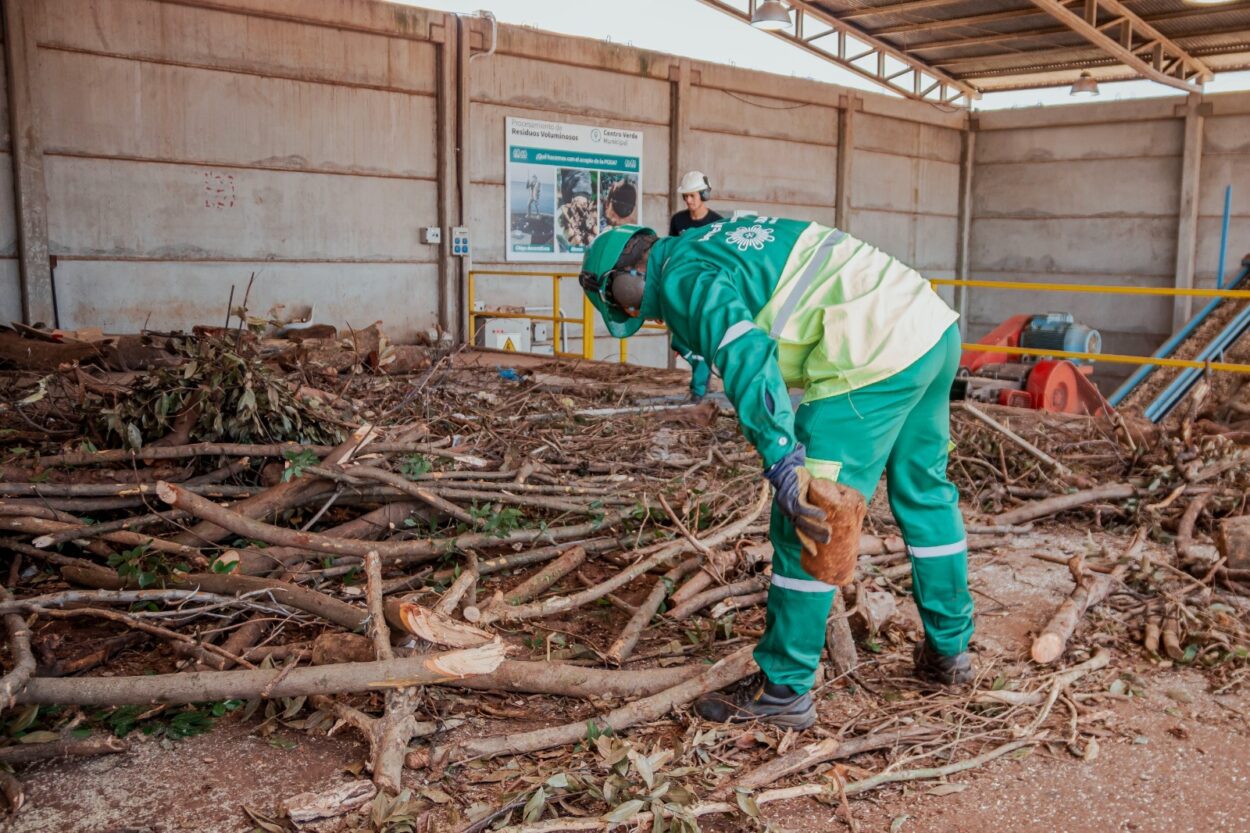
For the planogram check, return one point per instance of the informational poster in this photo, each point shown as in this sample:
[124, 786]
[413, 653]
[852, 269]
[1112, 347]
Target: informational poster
[566, 184]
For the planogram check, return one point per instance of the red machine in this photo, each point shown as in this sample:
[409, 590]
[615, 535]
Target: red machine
[1057, 385]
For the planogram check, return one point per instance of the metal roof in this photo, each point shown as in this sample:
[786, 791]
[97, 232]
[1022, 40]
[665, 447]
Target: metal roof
[953, 50]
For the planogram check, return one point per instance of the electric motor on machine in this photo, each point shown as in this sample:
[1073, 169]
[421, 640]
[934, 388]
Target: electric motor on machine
[1058, 331]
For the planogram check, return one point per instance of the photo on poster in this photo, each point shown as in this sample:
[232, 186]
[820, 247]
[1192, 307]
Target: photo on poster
[619, 198]
[532, 208]
[577, 216]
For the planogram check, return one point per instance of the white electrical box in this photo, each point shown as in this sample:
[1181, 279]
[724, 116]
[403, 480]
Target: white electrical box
[510, 335]
[542, 332]
[432, 235]
[460, 241]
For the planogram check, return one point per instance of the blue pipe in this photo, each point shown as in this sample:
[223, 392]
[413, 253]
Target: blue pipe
[1228, 201]
[1170, 345]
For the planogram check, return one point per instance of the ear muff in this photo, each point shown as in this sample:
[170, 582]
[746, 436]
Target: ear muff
[625, 288]
[706, 193]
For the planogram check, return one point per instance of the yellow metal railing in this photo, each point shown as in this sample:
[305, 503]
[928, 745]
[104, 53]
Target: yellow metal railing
[586, 321]
[1106, 289]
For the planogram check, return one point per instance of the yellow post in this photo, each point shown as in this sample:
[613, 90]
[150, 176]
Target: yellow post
[588, 328]
[555, 315]
[472, 313]
[624, 352]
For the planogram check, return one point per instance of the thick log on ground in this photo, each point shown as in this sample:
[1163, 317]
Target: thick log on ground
[1062, 503]
[27, 753]
[1091, 589]
[725, 672]
[203, 686]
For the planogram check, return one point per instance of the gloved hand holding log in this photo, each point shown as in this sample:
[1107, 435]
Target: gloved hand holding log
[827, 517]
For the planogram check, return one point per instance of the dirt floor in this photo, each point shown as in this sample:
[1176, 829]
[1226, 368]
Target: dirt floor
[1170, 755]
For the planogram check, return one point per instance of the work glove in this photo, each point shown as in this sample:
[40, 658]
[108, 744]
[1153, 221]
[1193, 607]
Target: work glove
[790, 480]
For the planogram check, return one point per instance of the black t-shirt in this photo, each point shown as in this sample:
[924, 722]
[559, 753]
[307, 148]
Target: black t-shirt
[681, 221]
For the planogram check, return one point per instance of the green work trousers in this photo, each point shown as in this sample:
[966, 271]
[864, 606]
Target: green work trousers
[900, 425]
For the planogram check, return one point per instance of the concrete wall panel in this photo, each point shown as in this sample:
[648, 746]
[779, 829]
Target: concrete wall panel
[751, 115]
[745, 169]
[556, 88]
[1218, 172]
[10, 291]
[890, 182]
[127, 209]
[906, 138]
[1208, 258]
[252, 43]
[126, 296]
[1226, 134]
[1084, 188]
[120, 107]
[8, 214]
[1091, 141]
[1075, 246]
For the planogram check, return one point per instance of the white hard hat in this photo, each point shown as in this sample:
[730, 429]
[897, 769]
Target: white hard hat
[694, 183]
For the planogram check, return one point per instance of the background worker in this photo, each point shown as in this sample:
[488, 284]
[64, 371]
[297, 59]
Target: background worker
[695, 191]
[771, 304]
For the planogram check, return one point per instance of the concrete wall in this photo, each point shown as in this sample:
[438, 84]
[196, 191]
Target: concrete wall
[905, 190]
[10, 279]
[186, 149]
[1092, 193]
[1225, 161]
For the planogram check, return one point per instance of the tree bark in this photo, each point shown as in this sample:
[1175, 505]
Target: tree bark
[202, 686]
[725, 672]
[394, 552]
[1062, 503]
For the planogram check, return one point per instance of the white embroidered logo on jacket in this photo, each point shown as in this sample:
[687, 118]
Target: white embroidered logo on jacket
[752, 237]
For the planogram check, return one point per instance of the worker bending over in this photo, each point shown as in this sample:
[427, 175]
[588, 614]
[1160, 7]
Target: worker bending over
[772, 304]
[695, 191]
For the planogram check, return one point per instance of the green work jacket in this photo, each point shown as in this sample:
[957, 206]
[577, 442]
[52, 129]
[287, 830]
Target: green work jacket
[773, 304]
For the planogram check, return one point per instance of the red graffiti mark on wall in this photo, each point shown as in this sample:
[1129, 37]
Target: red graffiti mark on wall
[219, 190]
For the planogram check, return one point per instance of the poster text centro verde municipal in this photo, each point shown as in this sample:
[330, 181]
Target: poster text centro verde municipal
[566, 184]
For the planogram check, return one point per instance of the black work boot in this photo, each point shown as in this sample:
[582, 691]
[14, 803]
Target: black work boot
[755, 698]
[935, 667]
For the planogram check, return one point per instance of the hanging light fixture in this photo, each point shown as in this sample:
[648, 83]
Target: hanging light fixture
[1207, 2]
[770, 16]
[1084, 85]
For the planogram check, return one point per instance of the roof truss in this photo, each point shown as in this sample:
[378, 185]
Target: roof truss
[849, 47]
[1126, 37]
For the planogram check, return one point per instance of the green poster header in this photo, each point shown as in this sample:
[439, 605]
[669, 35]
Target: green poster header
[573, 159]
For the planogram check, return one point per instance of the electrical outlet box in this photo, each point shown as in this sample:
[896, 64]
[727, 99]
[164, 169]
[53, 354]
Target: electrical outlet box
[432, 235]
[460, 241]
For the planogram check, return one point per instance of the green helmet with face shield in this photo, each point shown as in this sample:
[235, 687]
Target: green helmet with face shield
[615, 290]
